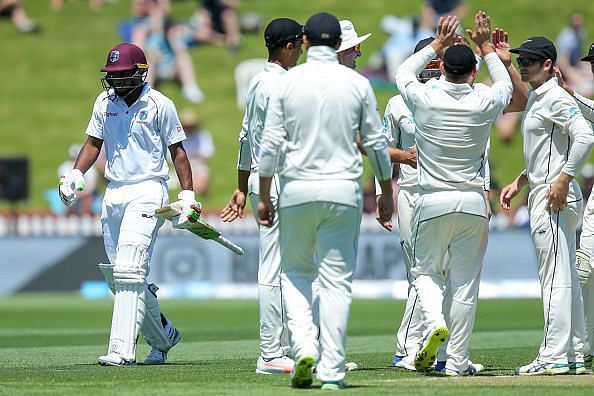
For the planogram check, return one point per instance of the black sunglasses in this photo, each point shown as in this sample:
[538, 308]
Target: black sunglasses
[527, 62]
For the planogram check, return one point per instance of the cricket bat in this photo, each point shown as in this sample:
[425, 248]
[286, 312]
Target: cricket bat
[201, 228]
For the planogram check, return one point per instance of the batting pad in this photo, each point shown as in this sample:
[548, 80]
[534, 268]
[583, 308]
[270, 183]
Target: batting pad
[152, 328]
[107, 271]
[583, 266]
[128, 316]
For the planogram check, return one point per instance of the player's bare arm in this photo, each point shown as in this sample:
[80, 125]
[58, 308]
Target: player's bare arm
[266, 210]
[557, 195]
[519, 97]
[511, 190]
[385, 204]
[407, 157]
[88, 154]
[234, 208]
[481, 34]
[182, 166]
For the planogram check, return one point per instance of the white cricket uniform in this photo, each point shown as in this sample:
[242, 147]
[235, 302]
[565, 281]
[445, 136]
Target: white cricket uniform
[557, 139]
[272, 321]
[586, 106]
[316, 112]
[452, 132]
[136, 140]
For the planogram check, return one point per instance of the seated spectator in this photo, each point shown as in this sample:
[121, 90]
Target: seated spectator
[14, 10]
[200, 150]
[150, 29]
[222, 18]
[570, 44]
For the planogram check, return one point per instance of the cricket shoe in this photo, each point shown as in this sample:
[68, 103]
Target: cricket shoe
[433, 340]
[302, 372]
[477, 367]
[279, 365]
[333, 385]
[539, 367]
[156, 356]
[577, 368]
[404, 362]
[114, 359]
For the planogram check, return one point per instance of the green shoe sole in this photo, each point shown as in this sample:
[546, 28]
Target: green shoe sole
[302, 377]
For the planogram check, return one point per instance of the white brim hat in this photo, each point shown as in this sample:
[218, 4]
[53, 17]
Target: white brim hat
[349, 36]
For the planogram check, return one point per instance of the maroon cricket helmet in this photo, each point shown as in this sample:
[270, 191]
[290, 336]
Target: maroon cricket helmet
[125, 56]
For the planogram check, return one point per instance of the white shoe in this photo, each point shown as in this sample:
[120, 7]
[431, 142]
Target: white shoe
[193, 93]
[114, 359]
[539, 367]
[405, 362]
[279, 365]
[157, 356]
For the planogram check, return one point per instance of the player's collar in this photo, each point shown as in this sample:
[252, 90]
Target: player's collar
[322, 53]
[273, 67]
[550, 83]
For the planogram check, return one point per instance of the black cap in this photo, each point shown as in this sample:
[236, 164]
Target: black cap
[423, 43]
[322, 29]
[459, 60]
[590, 56]
[538, 45]
[281, 31]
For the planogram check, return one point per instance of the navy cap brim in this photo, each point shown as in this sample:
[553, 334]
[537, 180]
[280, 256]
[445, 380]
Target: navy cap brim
[588, 58]
[528, 51]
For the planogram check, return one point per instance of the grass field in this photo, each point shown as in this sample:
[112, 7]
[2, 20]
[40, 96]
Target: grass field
[50, 80]
[49, 345]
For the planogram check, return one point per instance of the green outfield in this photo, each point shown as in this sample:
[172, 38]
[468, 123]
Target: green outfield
[50, 80]
[49, 345]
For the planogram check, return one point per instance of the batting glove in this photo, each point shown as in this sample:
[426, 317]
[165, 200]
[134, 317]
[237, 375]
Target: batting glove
[68, 184]
[583, 266]
[190, 208]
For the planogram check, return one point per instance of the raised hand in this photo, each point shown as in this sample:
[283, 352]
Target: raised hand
[482, 32]
[446, 33]
[501, 45]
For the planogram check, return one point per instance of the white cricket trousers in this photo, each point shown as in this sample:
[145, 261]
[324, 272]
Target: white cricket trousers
[270, 298]
[553, 234]
[130, 229]
[331, 231]
[587, 245]
[456, 223]
[410, 332]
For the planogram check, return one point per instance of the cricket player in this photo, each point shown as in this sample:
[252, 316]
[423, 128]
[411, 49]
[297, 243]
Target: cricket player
[585, 254]
[315, 113]
[284, 39]
[399, 129]
[350, 46]
[137, 125]
[557, 141]
[452, 124]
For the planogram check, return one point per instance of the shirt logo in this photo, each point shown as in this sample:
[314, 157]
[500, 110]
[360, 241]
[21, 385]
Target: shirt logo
[573, 111]
[179, 128]
[114, 56]
[110, 114]
[143, 115]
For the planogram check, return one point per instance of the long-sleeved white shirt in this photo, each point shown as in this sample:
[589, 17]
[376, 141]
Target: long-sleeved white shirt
[453, 122]
[557, 138]
[258, 95]
[315, 113]
[586, 106]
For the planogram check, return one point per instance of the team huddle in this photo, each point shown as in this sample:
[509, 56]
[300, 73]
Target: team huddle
[300, 163]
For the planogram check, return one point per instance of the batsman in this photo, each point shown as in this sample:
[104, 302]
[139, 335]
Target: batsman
[136, 125]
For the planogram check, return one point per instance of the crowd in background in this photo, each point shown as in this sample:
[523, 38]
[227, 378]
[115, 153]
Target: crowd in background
[168, 44]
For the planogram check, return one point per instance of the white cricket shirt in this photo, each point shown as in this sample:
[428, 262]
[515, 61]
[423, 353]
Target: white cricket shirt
[315, 113]
[136, 138]
[258, 95]
[556, 136]
[586, 106]
[452, 123]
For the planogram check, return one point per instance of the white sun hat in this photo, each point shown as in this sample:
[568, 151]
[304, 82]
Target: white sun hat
[349, 35]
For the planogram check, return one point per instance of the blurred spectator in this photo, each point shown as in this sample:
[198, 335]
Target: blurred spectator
[88, 201]
[199, 148]
[404, 33]
[506, 125]
[93, 4]
[433, 9]
[222, 18]
[570, 44]
[150, 29]
[14, 10]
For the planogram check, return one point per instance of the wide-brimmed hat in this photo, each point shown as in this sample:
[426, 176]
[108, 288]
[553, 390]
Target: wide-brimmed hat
[349, 35]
